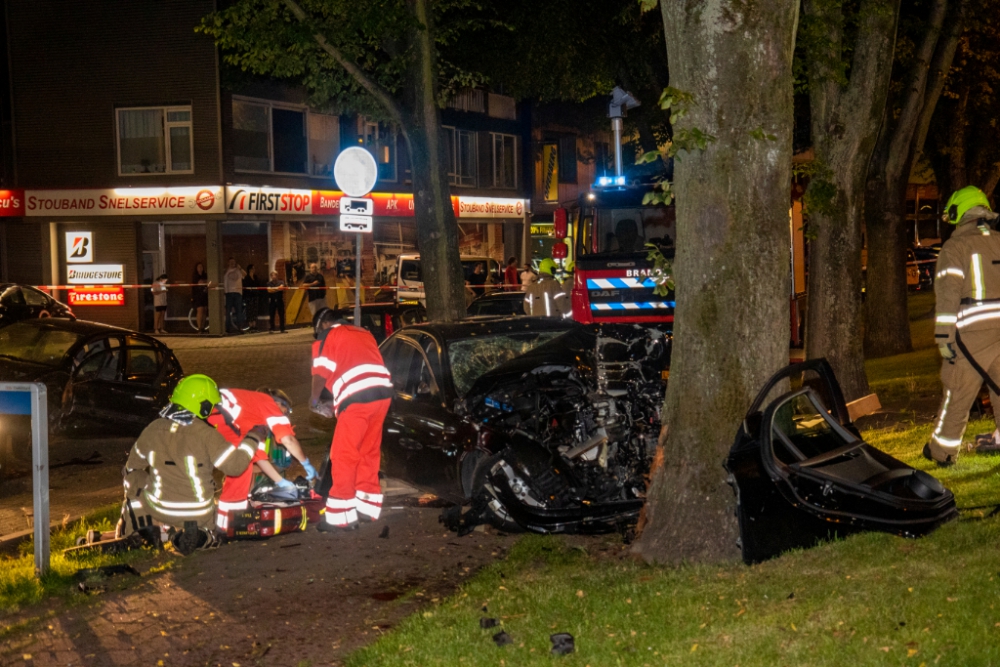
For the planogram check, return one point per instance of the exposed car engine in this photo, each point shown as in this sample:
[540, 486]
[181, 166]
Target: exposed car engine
[580, 417]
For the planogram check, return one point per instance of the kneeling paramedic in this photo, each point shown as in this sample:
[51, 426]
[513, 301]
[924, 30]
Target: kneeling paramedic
[967, 323]
[169, 490]
[240, 412]
[348, 362]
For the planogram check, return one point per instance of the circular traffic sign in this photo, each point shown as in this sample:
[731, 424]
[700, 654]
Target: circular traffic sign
[355, 171]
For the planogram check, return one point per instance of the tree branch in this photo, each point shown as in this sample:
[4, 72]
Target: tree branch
[944, 54]
[381, 95]
[872, 59]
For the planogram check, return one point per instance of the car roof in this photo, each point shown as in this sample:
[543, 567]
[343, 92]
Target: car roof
[79, 327]
[501, 295]
[482, 326]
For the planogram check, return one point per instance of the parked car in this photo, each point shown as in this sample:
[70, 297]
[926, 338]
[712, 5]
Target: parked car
[925, 259]
[410, 277]
[536, 423]
[94, 374]
[503, 304]
[21, 302]
[802, 473]
[385, 317]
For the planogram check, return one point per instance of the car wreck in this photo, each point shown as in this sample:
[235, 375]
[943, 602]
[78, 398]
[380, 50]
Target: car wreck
[529, 423]
[802, 473]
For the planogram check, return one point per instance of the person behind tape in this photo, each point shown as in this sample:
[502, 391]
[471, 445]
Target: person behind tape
[967, 319]
[239, 412]
[348, 364]
[169, 490]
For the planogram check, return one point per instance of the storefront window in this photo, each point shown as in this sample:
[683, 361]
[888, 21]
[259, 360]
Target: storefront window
[142, 144]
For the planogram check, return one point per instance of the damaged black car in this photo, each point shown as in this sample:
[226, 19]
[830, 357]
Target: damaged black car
[802, 473]
[533, 424]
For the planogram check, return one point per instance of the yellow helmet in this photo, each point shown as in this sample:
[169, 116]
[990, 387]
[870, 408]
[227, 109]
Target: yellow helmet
[197, 394]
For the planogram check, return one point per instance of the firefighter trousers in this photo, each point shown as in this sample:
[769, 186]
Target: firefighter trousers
[962, 383]
[236, 491]
[354, 462]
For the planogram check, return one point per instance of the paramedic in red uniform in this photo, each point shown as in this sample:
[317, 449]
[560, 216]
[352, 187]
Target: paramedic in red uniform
[240, 411]
[351, 367]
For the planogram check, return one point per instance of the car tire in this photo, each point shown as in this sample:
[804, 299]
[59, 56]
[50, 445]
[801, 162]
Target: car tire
[495, 513]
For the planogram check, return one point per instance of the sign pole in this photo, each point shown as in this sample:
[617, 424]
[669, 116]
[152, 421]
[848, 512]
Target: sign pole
[40, 475]
[357, 283]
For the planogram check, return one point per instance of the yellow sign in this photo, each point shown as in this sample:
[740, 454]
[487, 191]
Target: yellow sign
[541, 230]
[550, 172]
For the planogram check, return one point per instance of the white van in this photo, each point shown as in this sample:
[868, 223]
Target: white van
[410, 279]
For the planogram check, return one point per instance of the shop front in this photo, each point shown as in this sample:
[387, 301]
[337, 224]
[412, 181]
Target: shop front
[107, 246]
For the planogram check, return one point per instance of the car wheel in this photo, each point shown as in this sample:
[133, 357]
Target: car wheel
[483, 491]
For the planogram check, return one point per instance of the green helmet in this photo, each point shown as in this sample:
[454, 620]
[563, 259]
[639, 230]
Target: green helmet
[197, 394]
[547, 266]
[962, 200]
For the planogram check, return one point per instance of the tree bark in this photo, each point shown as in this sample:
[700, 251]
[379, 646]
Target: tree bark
[887, 320]
[437, 228]
[845, 122]
[732, 263]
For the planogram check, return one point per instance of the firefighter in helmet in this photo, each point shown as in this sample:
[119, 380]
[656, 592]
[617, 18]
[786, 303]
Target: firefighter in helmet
[967, 318]
[547, 298]
[169, 490]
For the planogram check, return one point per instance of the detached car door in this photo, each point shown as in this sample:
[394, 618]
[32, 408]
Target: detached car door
[419, 443]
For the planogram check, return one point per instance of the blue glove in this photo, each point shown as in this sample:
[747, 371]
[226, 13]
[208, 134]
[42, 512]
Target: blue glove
[285, 485]
[310, 471]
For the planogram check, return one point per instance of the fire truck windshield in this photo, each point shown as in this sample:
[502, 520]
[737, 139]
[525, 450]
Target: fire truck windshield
[624, 230]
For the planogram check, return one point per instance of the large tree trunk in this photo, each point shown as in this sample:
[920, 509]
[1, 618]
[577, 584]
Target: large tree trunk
[887, 320]
[845, 121]
[437, 229]
[732, 263]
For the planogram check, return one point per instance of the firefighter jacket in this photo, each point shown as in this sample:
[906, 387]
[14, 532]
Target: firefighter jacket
[245, 410]
[967, 281]
[547, 298]
[169, 470]
[351, 366]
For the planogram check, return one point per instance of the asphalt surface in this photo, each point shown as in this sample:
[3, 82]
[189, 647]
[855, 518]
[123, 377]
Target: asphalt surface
[86, 472]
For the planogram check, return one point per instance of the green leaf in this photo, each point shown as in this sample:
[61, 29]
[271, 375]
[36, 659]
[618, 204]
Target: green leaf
[647, 5]
[647, 157]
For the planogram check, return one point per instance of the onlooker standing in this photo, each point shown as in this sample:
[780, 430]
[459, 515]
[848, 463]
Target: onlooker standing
[159, 290]
[233, 284]
[199, 294]
[478, 280]
[528, 277]
[251, 298]
[510, 278]
[316, 295]
[276, 300]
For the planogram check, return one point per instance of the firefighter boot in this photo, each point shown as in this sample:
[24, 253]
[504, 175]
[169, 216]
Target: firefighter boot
[949, 459]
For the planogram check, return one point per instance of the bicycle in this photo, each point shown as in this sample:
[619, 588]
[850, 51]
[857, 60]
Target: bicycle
[193, 320]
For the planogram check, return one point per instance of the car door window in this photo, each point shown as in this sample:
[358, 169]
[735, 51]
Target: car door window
[429, 346]
[99, 360]
[35, 298]
[12, 296]
[142, 364]
[420, 380]
[398, 357]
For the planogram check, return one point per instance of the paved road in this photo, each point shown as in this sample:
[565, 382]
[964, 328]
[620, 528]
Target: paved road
[250, 361]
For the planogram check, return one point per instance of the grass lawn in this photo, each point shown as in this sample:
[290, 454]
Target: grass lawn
[18, 585]
[872, 599]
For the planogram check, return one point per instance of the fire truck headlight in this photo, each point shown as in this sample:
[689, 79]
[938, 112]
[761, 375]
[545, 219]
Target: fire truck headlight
[603, 180]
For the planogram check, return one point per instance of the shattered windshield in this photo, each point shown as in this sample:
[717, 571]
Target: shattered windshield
[473, 357]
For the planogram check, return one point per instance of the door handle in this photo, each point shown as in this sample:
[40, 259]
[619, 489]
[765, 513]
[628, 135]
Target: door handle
[144, 398]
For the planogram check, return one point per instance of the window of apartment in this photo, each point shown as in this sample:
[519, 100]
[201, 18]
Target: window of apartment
[504, 160]
[462, 160]
[324, 143]
[380, 140]
[567, 159]
[155, 140]
[269, 137]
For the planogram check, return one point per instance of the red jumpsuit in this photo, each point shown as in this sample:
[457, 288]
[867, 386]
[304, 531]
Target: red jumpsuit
[245, 410]
[354, 373]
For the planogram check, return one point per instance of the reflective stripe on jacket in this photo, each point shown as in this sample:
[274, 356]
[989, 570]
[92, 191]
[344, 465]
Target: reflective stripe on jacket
[352, 367]
[247, 409]
[967, 282]
[178, 460]
[547, 298]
